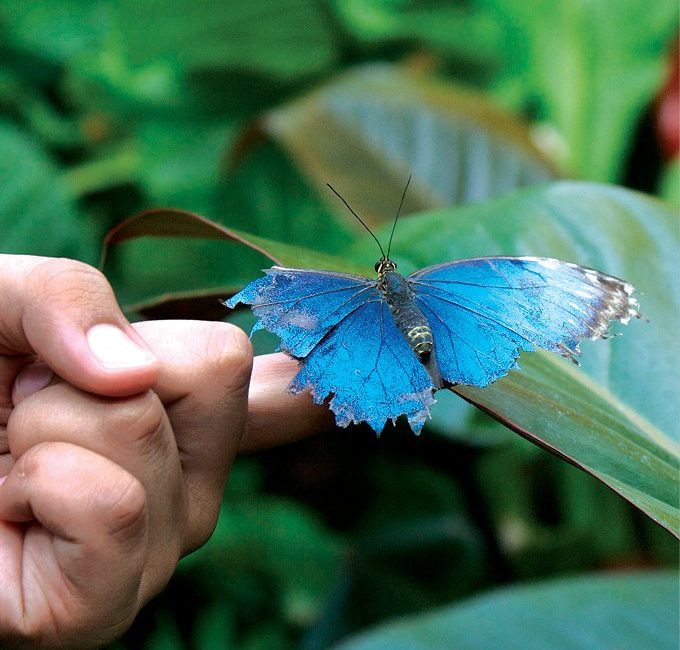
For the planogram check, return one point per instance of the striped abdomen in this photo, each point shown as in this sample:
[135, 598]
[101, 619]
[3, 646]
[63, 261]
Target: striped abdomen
[415, 328]
[409, 319]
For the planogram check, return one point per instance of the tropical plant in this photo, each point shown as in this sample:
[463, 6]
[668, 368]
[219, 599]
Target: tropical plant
[526, 126]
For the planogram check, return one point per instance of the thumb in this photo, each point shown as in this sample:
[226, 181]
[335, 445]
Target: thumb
[65, 312]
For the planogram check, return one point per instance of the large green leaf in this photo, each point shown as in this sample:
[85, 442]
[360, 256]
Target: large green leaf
[561, 409]
[177, 55]
[545, 508]
[624, 612]
[54, 32]
[280, 37]
[617, 415]
[267, 196]
[367, 130]
[623, 233]
[180, 161]
[589, 67]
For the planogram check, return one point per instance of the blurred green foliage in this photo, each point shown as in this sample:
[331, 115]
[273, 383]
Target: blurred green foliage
[241, 112]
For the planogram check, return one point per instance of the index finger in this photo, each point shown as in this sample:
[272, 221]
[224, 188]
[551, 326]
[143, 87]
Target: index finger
[275, 415]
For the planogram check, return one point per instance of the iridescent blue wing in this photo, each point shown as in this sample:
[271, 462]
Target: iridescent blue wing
[368, 366]
[301, 306]
[484, 311]
[350, 347]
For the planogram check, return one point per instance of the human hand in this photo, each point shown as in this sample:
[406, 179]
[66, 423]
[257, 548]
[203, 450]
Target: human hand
[108, 482]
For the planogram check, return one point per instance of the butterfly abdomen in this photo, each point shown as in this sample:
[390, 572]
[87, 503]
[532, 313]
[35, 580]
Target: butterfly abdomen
[409, 319]
[417, 332]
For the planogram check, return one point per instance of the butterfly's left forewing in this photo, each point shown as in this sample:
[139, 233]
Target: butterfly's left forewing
[484, 311]
[341, 330]
[301, 306]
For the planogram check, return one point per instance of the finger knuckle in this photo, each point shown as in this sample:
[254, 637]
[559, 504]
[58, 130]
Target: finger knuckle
[68, 280]
[34, 460]
[202, 526]
[40, 415]
[126, 507]
[231, 352]
[21, 419]
[139, 424]
[138, 420]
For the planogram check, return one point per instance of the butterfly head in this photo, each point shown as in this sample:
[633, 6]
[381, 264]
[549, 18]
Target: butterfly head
[383, 265]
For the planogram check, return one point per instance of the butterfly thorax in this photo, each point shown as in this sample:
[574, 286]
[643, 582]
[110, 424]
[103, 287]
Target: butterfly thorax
[409, 319]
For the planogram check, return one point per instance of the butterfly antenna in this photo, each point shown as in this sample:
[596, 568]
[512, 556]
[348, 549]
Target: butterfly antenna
[361, 221]
[394, 225]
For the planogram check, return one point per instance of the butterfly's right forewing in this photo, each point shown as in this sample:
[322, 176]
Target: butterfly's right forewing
[483, 311]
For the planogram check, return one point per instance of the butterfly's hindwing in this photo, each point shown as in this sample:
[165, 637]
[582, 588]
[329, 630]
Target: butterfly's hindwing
[369, 367]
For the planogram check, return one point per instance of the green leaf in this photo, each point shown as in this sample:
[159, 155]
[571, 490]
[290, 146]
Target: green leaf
[180, 161]
[617, 415]
[617, 231]
[22, 100]
[590, 67]
[55, 32]
[267, 196]
[544, 508]
[590, 427]
[414, 517]
[203, 56]
[624, 612]
[34, 200]
[367, 130]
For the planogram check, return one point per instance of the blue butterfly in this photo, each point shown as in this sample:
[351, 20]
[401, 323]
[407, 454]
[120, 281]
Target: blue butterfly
[381, 347]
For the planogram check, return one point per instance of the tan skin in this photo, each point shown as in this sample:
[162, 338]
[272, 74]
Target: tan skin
[113, 467]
